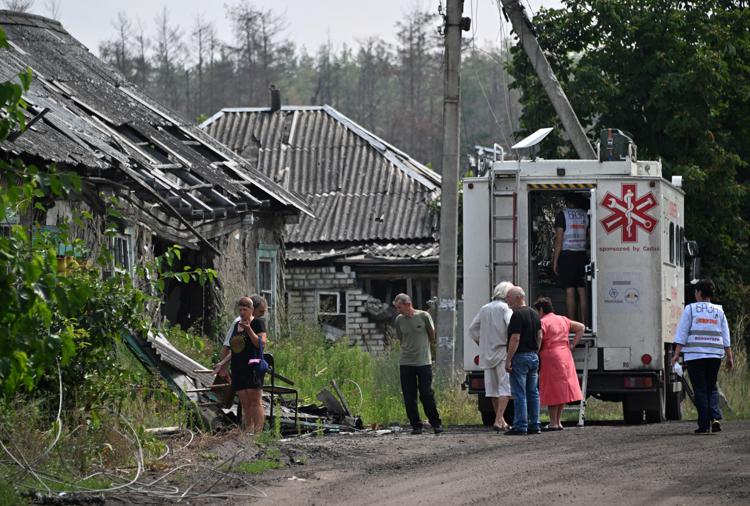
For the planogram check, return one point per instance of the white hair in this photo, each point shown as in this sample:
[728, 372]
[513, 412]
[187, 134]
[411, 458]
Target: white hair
[501, 290]
[518, 291]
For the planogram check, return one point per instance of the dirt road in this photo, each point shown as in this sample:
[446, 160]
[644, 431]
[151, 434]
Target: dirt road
[600, 464]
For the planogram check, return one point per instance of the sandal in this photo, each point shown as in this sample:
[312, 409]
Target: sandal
[549, 428]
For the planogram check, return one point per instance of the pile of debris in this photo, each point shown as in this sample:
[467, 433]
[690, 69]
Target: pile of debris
[213, 400]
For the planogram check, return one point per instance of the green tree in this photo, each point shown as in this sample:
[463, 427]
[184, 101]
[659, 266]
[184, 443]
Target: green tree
[58, 313]
[677, 75]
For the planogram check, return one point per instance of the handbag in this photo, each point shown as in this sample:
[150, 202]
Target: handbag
[260, 364]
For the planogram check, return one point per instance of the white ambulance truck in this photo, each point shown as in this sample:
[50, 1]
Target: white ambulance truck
[636, 269]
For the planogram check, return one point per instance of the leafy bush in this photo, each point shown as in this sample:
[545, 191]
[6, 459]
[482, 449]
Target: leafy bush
[61, 316]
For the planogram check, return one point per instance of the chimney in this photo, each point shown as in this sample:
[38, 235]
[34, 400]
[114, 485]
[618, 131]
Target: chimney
[275, 99]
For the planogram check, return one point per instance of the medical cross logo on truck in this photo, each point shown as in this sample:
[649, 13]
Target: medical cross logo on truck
[629, 212]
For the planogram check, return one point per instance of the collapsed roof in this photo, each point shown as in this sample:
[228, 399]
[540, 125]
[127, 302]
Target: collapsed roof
[93, 121]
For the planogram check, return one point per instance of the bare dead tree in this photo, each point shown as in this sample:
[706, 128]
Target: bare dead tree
[141, 46]
[203, 39]
[168, 60]
[417, 54]
[53, 8]
[116, 51]
[256, 49]
[18, 5]
[375, 71]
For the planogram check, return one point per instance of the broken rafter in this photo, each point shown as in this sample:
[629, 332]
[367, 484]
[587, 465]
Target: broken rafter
[15, 135]
[135, 176]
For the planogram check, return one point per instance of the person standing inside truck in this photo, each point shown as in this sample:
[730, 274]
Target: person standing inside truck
[415, 330]
[703, 338]
[569, 257]
[489, 330]
[245, 339]
[525, 330]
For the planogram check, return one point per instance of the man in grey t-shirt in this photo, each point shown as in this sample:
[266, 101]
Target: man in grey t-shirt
[415, 330]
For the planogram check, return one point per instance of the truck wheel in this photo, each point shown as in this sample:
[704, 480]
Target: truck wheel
[488, 418]
[658, 415]
[509, 412]
[486, 410]
[673, 401]
[674, 406]
[630, 415]
[488, 414]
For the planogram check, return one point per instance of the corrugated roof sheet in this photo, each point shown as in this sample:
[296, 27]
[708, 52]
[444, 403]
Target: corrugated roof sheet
[360, 188]
[99, 124]
[427, 251]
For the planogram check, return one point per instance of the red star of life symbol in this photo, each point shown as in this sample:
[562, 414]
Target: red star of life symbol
[629, 212]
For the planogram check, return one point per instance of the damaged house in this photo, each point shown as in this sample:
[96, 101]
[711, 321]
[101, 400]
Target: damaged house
[375, 224]
[176, 183]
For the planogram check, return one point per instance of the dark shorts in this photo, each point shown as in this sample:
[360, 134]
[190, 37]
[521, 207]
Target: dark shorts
[246, 377]
[571, 269]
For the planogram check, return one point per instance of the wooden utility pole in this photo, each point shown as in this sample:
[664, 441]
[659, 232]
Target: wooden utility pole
[527, 38]
[446, 315]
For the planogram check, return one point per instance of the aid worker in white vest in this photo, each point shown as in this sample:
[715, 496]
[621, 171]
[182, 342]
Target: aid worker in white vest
[703, 337]
[569, 258]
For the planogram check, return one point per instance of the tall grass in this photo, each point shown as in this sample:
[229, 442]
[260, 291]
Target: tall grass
[736, 383]
[312, 364]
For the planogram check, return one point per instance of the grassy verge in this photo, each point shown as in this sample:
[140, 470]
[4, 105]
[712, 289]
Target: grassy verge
[370, 383]
[312, 364]
[9, 494]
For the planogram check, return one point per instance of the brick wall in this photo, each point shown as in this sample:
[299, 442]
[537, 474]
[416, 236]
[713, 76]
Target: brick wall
[303, 284]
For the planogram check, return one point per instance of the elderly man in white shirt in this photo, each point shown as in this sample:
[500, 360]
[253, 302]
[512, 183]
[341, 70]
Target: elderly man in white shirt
[489, 330]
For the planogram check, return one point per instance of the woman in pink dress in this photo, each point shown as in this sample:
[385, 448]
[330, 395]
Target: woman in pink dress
[558, 380]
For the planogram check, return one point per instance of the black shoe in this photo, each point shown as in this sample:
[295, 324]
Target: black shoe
[515, 432]
[535, 431]
[416, 431]
[438, 429]
[715, 426]
[702, 431]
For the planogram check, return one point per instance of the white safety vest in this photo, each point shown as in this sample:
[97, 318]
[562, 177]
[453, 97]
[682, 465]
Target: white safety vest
[576, 223]
[703, 330]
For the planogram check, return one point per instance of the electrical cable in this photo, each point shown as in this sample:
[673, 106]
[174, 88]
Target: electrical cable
[361, 396]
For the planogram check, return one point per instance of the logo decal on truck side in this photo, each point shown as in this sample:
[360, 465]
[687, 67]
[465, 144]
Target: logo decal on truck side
[629, 212]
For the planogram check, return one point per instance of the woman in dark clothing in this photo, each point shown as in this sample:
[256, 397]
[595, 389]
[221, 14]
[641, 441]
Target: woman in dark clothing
[242, 348]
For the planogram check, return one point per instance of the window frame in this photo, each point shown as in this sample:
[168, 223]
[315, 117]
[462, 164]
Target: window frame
[267, 253]
[341, 307]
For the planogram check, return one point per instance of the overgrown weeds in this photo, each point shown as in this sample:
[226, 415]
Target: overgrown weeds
[370, 383]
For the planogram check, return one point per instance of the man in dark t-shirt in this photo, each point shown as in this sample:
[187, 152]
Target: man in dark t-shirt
[525, 331]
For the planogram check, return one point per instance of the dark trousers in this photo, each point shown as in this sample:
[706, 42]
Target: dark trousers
[419, 379]
[703, 374]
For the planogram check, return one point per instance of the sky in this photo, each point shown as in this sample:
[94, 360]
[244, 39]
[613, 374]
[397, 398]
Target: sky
[310, 23]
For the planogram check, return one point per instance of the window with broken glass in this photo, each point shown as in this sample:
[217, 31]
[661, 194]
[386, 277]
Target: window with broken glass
[122, 254]
[332, 309]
